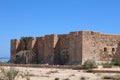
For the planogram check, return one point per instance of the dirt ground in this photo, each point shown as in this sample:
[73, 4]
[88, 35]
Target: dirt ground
[65, 74]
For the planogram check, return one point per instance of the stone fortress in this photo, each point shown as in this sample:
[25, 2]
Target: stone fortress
[67, 49]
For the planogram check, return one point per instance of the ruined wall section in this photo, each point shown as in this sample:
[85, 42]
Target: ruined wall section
[75, 47]
[100, 47]
[57, 52]
[79, 47]
[17, 46]
[90, 46]
[42, 46]
[64, 42]
[71, 45]
[31, 44]
[39, 48]
[109, 47]
[49, 43]
[14, 45]
[21, 45]
[61, 49]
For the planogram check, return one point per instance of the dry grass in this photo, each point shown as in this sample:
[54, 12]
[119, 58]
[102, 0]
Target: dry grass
[71, 75]
[57, 79]
[45, 76]
[12, 74]
[66, 79]
[50, 72]
[83, 78]
[115, 77]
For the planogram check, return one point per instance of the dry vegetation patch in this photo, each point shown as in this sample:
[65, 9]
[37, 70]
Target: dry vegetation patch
[115, 77]
[52, 71]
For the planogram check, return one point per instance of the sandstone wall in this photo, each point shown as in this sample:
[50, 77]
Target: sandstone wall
[14, 45]
[75, 47]
[72, 48]
[39, 49]
[71, 45]
[90, 46]
[61, 49]
[109, 47]
[21, 46]
[49, 48]
[31, 44]
[42, 46]
[100, 47]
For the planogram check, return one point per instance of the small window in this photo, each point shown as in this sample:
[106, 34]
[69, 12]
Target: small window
[105, 49]
[113, 49]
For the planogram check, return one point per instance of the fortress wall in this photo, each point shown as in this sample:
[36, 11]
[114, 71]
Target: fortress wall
[55, 40]
[21, 45]
[31, 44]
[39, 48]
[64, 41]
[14, 45]
[90, 46]
[73, 36]
[56, 52]
[109, 47]
[80, 46]
[72, 46]
[49, 48]
[100, 47]
[61, 48]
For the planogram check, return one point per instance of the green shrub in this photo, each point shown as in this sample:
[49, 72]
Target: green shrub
[108, 64]
[116, 63]
[89, 64]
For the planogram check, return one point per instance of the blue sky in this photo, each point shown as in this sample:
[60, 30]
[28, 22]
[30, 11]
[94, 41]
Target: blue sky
[39, 17]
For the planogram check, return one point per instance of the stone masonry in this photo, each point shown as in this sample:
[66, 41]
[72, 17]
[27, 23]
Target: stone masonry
[72, 48]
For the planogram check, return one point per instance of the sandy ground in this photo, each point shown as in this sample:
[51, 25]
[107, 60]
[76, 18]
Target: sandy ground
[63, 74]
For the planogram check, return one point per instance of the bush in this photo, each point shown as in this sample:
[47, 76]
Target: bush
[108, 64]
[116, 63]
[89, 64]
